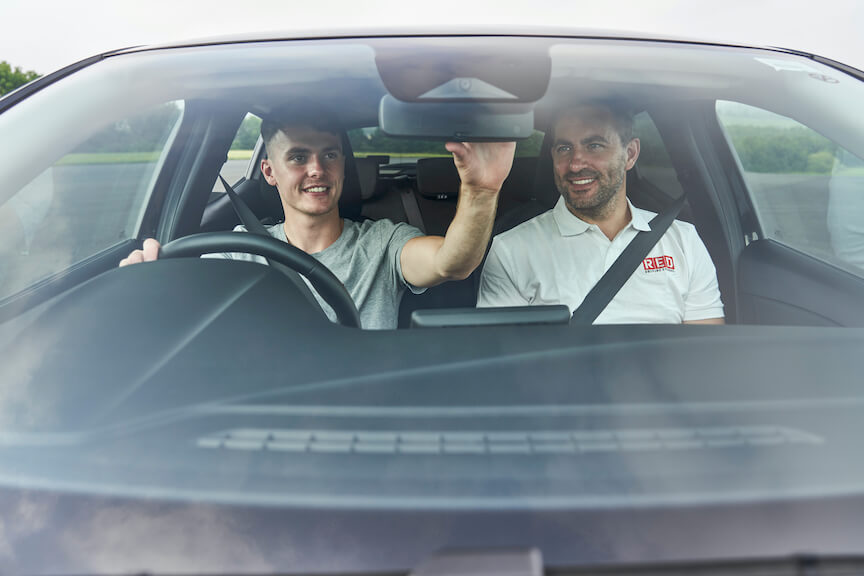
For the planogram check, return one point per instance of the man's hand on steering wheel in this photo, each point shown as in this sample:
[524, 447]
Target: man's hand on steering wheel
[148, 253]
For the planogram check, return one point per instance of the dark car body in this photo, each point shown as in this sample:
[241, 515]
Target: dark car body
[199, 416]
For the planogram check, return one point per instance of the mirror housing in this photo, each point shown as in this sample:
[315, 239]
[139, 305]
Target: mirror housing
[456, 121]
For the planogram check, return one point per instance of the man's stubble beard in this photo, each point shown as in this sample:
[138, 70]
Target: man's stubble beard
[606, 200]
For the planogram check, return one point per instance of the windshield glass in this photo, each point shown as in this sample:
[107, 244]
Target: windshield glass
[219, 380]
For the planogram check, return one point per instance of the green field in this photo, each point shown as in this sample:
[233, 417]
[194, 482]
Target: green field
[131, 157]
[402, 154]
[239, 154]
[108, 158]
[142, 157]
[139, 157]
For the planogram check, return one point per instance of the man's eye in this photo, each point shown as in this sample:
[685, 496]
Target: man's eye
[332, 156]
[562, 149]
[297, 159]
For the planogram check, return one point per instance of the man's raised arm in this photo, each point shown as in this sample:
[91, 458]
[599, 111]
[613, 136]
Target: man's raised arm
[430, 260]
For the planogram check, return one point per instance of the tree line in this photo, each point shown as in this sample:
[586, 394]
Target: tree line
[11, 78]
[760, 148]
[774, 150]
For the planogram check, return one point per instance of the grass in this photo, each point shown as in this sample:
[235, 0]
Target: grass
[131, 157]
[856, 171]
[109, 158]
[139, 157]
[239, 154]
[403, 154]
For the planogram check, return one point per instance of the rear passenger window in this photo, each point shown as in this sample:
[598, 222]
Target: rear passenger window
[807, 191]
[374, 142]
[240, 154]
[530, 147]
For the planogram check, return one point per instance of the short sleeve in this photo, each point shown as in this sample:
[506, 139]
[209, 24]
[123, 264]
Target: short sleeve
[400, 236]
[497, 287]
[702, 300]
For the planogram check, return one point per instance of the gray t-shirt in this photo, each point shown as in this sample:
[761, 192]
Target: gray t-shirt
[365, 258]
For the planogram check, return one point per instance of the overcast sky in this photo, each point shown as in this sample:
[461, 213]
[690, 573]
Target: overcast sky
[47, 34]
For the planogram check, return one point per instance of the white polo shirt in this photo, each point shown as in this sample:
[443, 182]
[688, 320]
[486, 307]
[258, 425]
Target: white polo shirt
[556, 258]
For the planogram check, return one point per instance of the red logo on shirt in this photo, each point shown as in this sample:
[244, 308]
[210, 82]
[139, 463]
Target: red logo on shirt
[658, 263]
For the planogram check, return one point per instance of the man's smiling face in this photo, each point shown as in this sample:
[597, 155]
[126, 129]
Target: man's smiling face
[307, 166]
[590, 161]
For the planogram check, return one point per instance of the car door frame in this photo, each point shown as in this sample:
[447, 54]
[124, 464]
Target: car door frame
[192, 157]
[775, 283]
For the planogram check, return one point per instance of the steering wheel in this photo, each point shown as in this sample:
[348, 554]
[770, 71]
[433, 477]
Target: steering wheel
[322, 279]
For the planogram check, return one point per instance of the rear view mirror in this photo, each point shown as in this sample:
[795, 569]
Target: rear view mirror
[456, 121]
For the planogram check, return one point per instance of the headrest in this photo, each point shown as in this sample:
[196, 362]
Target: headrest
[351, 201]
[543, 190]
[519, 185]
[437, 178]
[367, 172]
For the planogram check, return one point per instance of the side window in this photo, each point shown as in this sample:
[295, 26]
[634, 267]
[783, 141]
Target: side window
[531, 146]
[654, 164]
[807, 191]
[89, 200]
[239, 155]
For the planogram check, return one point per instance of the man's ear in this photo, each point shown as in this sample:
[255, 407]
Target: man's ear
[267, 172]
[632, 150]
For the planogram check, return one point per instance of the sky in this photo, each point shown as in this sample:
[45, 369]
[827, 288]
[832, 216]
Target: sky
[49, 34]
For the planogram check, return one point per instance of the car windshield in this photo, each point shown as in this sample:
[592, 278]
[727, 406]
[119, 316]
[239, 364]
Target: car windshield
[210, 381]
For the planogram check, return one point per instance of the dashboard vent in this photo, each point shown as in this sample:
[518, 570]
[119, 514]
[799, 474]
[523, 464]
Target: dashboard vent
[527, 443]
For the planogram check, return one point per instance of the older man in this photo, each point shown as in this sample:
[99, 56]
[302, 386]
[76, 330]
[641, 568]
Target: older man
[377, 260]
[558, 256]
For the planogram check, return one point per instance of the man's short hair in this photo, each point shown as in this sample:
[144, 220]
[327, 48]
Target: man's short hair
[278, 119]
[621, 111]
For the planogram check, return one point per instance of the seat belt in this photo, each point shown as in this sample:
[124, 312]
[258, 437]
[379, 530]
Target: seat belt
[412, 209]
[253, 225]
[611, 282]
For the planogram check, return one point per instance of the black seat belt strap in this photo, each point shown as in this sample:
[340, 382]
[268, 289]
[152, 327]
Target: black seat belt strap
[608, 286]
[412, 209]
[253, 225]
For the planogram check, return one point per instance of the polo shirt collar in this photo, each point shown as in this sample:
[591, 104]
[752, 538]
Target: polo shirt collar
[570, 225]
[639, 218]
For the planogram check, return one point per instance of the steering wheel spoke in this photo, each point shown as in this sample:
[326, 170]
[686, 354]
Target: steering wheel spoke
[322, 279]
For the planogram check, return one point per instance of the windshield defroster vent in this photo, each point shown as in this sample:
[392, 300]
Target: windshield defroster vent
[537, 443]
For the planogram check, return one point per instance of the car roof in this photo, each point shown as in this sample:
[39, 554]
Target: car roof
[459, 30]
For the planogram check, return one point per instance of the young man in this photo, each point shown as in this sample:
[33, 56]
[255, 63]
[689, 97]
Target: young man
[377, 260]
[558, 256]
